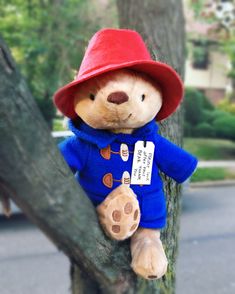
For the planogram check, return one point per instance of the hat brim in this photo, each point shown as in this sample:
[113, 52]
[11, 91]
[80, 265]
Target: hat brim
[165, 77]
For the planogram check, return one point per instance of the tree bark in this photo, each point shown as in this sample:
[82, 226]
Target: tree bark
[161, 23]
[35, 176]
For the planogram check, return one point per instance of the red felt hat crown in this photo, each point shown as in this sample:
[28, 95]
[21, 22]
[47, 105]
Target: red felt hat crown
[111, 49]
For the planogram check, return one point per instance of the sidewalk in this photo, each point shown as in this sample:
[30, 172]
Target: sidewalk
[216, 163]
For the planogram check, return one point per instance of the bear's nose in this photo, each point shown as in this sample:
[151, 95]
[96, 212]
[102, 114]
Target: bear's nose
[117, 97]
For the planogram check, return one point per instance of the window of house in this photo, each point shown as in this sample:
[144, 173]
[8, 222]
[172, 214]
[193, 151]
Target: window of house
[200, 55]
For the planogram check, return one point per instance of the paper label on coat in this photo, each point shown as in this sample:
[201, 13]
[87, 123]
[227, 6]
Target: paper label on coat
[142, 163]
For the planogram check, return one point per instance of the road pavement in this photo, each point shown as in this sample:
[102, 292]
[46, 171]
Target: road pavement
[206, 261]
[30, 263]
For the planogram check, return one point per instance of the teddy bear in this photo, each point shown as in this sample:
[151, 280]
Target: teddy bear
[116, 152]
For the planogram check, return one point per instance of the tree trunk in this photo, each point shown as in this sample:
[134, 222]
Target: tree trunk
[161, 23]
[35, 176]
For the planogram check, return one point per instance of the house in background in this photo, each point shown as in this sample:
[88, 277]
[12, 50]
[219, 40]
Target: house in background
[210, 76]
[207, 66]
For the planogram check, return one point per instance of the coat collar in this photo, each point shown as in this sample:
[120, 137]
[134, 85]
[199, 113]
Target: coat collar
[103, 138]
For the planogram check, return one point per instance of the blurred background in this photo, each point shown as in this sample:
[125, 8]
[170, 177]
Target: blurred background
[48, 39]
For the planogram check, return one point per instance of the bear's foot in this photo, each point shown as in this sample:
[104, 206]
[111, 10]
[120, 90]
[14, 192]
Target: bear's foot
[119, 213]
[148, 257]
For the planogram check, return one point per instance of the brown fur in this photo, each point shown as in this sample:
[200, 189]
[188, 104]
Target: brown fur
[101, 114]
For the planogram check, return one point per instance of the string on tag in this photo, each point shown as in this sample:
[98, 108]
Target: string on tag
[145, 144]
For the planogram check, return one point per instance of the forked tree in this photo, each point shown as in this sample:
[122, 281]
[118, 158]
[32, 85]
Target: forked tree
[35, 176]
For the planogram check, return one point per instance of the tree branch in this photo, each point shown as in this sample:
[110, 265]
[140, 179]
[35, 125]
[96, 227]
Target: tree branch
[39, 181]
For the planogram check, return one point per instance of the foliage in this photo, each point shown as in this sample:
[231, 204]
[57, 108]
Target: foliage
[203, 120]
[217, 12]
[225, 126]
[222, 17]
[212, 174]
[197, 6]
[228, 47]
[227, 105]
[48, 38]
[211, 115]
[226, 44]
[204, 129]
[195, 104]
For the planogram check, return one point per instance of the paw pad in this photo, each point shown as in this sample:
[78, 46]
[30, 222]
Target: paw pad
[128, 208]
[119, 214]
[116, 229]
[116, 215]
[136, 214]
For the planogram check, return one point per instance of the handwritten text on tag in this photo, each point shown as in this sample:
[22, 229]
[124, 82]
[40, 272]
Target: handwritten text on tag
[142, 163]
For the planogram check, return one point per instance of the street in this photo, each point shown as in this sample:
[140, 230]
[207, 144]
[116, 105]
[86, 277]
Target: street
[29, 263]
[206, 262]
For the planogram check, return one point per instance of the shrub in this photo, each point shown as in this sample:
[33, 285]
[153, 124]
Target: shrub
[209, 116]
[227, 106]
[204, 129]
[225, 126]
[197, 111]
[188, 130]
[195, 106]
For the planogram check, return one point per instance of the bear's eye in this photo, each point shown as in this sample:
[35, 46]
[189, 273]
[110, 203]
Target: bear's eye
[142, 97]
[92, 97]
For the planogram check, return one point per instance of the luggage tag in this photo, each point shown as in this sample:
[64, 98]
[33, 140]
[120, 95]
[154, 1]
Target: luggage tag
[142, 163]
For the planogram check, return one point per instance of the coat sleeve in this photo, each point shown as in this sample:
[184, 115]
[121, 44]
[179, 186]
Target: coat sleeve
[74, 152]
[173, 160]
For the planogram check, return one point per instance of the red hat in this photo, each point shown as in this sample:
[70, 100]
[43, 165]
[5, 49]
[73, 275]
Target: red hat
[111, 49]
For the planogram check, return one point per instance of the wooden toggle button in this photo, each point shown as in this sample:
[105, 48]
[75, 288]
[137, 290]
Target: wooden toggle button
[106, 152]
[124, 152]
[108, 180]
[126, 178]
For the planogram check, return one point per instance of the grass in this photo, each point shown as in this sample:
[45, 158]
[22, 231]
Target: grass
[210, 149]
[213, 174]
